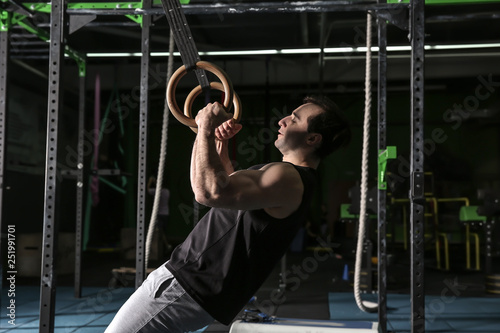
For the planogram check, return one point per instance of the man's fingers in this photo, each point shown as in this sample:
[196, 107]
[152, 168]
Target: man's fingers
[227, 125]
[232, 126]
[237, 127]
[227, 129]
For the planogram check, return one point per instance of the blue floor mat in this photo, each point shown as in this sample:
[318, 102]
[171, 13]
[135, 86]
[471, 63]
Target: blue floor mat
[89, 314]
[446, 313]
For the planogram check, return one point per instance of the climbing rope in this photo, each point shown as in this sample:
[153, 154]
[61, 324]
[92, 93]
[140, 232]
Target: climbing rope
[161, 163]
[364, 305]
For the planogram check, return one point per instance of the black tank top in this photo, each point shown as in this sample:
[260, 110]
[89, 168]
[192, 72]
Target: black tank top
[230, 253]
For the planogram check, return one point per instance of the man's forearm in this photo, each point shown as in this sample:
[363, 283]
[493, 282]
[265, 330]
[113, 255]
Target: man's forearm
[208, 173]
[222, 150]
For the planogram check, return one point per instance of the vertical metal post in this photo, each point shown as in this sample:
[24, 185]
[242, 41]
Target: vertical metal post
[143, 131]
[381, 196]
[4, 59]
[488, 243]
[49, 240]
[417, 199]
[79, 189]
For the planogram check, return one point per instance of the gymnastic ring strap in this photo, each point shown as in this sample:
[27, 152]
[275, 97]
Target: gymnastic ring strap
[184, 39]
[177, 76]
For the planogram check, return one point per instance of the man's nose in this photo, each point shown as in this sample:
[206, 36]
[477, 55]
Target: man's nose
[283, 121]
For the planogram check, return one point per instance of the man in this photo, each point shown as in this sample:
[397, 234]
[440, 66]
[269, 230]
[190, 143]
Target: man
[255, 216]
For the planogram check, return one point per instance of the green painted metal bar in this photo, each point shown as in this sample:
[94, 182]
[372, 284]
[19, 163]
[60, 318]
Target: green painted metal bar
[469, 213]
[383, 157]
[5, 20]
[448, 2]
[45, 7]
[135, 5]
[44, 35]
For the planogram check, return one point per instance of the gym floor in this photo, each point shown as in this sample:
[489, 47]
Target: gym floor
[456, 301]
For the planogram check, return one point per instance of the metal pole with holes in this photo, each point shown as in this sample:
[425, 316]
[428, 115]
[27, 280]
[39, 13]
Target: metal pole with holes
[417, 199]
[382, 145]
[49, 239]
[143, 131]
[4, 60]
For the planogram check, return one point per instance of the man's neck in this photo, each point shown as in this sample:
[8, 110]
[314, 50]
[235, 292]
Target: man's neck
[303, 161]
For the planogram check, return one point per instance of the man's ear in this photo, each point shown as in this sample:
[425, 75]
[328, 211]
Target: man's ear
[314, 139]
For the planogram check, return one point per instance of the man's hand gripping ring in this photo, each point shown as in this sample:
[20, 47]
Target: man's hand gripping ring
[225, 86]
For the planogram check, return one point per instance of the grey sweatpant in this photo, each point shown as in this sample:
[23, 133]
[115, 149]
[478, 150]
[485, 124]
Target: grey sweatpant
[160, 304]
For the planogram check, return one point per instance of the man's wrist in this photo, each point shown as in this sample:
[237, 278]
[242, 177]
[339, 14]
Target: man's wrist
[206, 133]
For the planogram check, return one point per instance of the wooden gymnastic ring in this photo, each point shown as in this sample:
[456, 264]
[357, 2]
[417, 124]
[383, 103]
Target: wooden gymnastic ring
[213, 85]
[176, 77]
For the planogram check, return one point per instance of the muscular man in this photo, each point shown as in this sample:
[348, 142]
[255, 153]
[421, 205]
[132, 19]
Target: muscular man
[254, 217]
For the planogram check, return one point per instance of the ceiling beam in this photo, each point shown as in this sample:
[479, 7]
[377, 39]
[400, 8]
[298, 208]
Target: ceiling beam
[240, 8]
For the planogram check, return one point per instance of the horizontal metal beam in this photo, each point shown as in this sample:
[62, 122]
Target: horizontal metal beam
[462, 17]
[240, 8]
[449, 2]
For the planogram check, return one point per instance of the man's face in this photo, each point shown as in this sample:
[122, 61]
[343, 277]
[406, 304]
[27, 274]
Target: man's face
[293, 128]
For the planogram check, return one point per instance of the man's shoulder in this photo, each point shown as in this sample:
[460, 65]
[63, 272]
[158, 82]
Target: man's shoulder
[288, 186]
[283, 172]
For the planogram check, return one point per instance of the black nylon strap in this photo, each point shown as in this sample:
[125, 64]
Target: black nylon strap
[184, 39]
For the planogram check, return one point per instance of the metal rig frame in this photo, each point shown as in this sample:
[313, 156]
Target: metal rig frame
[141, 13]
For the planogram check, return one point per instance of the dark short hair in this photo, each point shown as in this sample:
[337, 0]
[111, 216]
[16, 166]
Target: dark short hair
[331, 124]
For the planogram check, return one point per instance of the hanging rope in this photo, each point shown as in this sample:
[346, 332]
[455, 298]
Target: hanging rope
[364, 305]
[161, 163]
